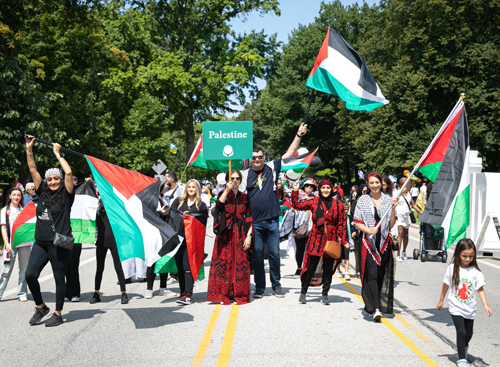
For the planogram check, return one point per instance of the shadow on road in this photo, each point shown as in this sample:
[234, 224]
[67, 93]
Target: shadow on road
[150, 318]
[74, 315]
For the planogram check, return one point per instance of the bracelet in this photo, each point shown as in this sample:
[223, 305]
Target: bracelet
[58, 156]
[300, 136]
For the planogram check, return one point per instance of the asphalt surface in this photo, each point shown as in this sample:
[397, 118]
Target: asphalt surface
[266, 332]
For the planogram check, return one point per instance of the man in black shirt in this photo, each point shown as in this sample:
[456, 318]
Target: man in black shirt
[261, 183]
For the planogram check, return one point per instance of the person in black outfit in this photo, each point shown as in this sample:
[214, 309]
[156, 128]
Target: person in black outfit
[106, 241]
[73, 288]
[52, 215]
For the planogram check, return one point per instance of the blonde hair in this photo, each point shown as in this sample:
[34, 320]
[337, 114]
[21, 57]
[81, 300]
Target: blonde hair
[184, 196]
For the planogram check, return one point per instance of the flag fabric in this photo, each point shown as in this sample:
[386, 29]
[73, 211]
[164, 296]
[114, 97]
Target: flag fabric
[131, 201]
[341, 71]
[300, 161]
[83, 213]
[193, 226]
[214, 165]
[23, 228]
[446, 163]
[173, 149]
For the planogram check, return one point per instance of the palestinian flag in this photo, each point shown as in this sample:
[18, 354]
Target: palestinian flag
[83, 213]
[193, 227]
[23, 228]
[131, 201]
[446, 163]
[300, 161]
[341, 71]
[198, 161]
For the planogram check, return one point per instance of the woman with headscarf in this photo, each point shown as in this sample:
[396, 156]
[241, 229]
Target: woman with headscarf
[230, 266]
[377, 263]
[52, 215]
[328, 225]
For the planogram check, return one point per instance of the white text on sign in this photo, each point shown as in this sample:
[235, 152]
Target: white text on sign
[231, 135]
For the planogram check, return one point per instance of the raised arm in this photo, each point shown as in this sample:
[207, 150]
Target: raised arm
[37, 179]
[68, 175]
[296, 141]
[303, 205]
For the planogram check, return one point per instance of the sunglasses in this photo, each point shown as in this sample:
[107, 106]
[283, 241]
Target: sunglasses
[255, 157]
[235, 178]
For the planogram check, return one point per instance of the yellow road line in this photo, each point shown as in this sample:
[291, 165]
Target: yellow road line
[227, 342]
[207, 337]
[426, 359]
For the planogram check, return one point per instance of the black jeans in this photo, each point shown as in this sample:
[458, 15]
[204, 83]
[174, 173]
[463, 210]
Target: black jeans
[328, 264]
[72, 274]
[150, 278]
[301, 248]
[100, 253]
[465, 328]
[186, 281]
[41, 254]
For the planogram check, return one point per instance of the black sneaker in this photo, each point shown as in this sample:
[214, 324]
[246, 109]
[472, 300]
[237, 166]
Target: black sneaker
[54, 320]
[124, 298]
[95, 298]
[40, 313]
[278, 292]
[184, 300]
[302, 298]
[259, 293]
[297, 273]
[324, 300]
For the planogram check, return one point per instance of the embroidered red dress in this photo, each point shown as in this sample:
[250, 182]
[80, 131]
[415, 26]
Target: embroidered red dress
[230, 267]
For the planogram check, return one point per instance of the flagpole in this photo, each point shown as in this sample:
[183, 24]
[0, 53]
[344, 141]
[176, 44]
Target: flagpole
[306, 167]
[309, 106]
[460, 100]
[185, 168]
[63, 149]
[230, 172]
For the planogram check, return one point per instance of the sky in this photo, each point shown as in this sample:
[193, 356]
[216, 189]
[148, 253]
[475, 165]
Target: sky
[293, 13]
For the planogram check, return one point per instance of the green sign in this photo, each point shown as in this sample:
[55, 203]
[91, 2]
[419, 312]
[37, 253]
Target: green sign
[225, 140]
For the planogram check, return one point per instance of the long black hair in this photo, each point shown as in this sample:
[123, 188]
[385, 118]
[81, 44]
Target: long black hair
[464, 244]
[49, 197]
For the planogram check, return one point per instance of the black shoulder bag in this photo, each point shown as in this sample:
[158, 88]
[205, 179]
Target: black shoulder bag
[412, 216]
[60, 240]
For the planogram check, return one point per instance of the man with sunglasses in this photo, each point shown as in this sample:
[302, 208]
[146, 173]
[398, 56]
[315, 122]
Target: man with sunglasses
[261, 183]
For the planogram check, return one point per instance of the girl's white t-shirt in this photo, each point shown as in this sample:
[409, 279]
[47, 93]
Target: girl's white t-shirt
[14, 212]
[462, 299]
[414, 191]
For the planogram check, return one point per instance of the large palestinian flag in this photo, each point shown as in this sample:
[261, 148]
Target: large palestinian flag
[214, 165]
[193, 227]
[300, 161]
[446, 163]
[131, 201]
[341, 71]
[23, 228]
[83, 213]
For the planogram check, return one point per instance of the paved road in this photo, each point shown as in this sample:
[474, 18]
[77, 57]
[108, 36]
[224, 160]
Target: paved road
[266, 332]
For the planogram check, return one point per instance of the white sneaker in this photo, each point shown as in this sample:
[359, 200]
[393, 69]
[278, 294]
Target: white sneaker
[377, 316]
[462, 363]
[338, 274]
[75, 299]
[149, 294]
[23, 298]
[66, 299]
[403, 256]
[167, 293]
[172, 280]
[399, 258]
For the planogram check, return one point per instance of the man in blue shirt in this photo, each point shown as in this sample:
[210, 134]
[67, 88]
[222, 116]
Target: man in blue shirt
[261, 184]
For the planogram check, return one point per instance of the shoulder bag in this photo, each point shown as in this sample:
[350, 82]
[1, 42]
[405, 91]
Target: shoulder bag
[60, 240]
[412, 216]
[332, 248]
[302, 231]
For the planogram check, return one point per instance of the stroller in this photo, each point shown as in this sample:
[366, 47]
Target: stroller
[431, 244]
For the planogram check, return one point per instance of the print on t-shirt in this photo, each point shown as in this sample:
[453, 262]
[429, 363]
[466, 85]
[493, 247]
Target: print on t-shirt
[261, 178]
[465, 291]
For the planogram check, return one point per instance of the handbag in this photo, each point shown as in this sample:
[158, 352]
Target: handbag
[302, 231]
[412, 216]
[60, 240]
[332, 248]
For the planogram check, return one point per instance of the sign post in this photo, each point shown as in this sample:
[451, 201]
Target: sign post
[227, 140]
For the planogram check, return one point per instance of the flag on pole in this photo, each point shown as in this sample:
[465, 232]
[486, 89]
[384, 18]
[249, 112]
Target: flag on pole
[131, 201]
[300, 161]
[83, 213]
[214, 165]
[446, 163]
[173, 149]
[341, 71]
[23, 228]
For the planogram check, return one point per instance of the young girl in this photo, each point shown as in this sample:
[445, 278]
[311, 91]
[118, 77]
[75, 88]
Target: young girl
[464, 278]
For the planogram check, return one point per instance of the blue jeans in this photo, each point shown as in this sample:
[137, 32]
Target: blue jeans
[266, 232]
[23, 253]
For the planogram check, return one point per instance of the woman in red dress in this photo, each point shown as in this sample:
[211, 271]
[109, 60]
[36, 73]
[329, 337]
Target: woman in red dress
[326, 211]
[230, 267]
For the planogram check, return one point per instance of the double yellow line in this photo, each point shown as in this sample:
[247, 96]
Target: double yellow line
[227, 342]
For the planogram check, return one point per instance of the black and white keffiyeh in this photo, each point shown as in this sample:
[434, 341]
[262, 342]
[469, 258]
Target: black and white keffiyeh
[365, 214]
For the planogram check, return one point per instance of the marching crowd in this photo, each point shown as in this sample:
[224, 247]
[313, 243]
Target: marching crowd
[371, 221]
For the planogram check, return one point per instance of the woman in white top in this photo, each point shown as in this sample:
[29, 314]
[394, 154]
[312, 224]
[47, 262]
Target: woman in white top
[8, 216]
[414, 191]
[403, 212]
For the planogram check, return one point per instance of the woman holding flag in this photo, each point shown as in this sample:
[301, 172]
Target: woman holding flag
[377, 263]
[56, 195]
